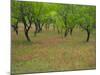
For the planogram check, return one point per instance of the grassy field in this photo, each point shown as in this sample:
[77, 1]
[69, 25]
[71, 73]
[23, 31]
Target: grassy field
[49, 51]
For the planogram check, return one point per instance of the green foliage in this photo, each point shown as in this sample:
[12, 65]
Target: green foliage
[62, 16]
[13, 21]
[87, 17]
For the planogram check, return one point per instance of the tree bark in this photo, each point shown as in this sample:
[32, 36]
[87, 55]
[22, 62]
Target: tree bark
[15, 27]
[16, 30]
[66, 32]
[26, 26]
[27, 36]
[26, 30]
[38, 27]
[88, 36]
[71, 30]
[46, 27]
[41, 27]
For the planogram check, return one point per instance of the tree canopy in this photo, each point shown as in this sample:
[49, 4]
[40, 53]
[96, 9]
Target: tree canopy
[64, 17]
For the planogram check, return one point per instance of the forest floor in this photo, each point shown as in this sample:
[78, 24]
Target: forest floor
[49, 51]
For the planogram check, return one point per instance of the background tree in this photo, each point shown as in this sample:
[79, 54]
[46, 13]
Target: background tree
[63, 12]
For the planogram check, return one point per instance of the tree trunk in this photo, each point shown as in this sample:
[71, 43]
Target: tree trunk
[15, 27]
[26, 26]
[40, 29]
[66, 32]
[26, 30]
[36, 29]
[88, 35]
[27, 36]
[46, 27]
[71, 30]
[16, 30]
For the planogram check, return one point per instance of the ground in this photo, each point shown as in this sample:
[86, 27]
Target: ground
[49, 51]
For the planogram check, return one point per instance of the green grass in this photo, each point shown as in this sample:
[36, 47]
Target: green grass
[49, 51]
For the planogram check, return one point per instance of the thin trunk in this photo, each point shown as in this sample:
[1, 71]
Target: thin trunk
[41, 27]
[26, 26]
[26, 30]
[17, 27]
[88, 36]
[46, 27]
[37, 26]
[36, 29]
[71, 30]
[66, 32]
[35, 32]
[58, 31]
[27, 36]
[16, 31]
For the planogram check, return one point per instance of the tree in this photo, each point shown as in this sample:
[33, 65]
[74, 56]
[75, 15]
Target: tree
[64, 11]
[71, 18]
[87, 19]
[14, 25]
[26, 17]
[38, 16]
[14, 15]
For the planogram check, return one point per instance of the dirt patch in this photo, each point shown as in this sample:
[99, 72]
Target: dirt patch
[51, 41]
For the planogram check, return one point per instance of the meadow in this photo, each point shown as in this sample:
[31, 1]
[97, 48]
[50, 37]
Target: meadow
[50, 51]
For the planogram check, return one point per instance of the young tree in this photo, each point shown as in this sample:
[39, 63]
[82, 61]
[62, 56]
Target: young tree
[87, 19]
[26, 17]
[63, 12]
[14, 25]
[71, 18]
[14, 15]
[38, 16]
